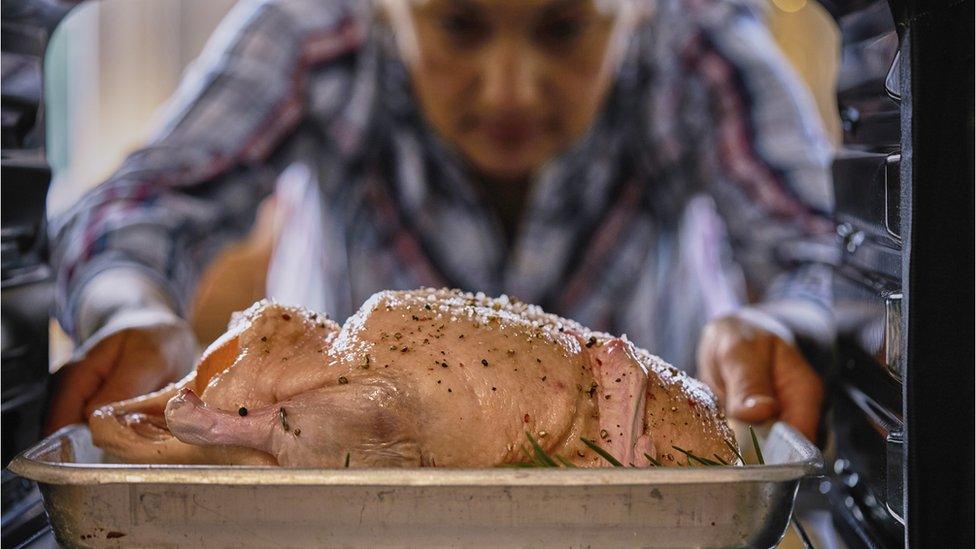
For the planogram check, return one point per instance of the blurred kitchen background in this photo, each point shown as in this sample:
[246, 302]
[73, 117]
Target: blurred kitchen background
[110, 66]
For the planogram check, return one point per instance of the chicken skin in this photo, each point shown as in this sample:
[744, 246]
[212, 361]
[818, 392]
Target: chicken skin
[418, 378]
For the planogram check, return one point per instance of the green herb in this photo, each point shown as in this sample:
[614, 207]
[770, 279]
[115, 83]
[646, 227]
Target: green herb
[536, 456]
[565, 462]
[735, 451]
[711, 463]
[755, 444]
[701, 460]
[528, 455]
[603, 453]
[540, 454]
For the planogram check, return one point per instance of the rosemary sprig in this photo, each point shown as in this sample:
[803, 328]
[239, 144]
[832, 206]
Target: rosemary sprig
[711, 463]
[735, 451]
[540, 454]
[538, 457]
[528, 455]
[755, 444]
[565, 462]
[690, 456]
[603, 453]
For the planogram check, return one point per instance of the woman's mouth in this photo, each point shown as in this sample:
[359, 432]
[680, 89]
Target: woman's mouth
[509, 132]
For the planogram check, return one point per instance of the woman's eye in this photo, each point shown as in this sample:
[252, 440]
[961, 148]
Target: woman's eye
[561, 31]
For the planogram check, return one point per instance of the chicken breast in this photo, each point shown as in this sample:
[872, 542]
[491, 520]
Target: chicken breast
[418, 378]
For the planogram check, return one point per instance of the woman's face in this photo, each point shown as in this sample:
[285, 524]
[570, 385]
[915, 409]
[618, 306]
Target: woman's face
[510, 83]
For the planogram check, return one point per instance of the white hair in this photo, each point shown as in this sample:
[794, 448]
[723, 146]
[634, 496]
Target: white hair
[627, 15]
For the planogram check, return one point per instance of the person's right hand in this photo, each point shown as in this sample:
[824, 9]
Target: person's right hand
[123, 365]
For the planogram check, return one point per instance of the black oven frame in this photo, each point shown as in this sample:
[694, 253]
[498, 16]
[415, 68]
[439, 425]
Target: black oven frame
[937, 273]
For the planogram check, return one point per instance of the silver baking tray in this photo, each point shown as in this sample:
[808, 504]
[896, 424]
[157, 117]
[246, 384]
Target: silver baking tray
[94, 503]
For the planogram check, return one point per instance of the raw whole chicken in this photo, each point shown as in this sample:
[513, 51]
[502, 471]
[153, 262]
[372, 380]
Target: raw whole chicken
[418, 378]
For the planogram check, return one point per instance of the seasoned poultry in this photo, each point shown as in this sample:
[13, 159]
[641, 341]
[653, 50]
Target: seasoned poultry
[417, 378]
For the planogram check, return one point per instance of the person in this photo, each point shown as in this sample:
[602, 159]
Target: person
[633, 165]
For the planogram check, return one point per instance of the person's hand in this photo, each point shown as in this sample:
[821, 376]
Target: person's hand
[123, 365]
[758, 375]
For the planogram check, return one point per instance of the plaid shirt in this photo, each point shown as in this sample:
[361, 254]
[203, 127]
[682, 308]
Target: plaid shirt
[706, 158]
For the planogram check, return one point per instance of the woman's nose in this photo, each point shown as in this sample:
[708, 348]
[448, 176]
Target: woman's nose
[509, 79]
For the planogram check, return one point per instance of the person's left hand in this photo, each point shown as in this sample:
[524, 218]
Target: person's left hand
[758, 375]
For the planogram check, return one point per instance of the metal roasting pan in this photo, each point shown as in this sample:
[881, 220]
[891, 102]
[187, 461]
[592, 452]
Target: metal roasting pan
[96, 504]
